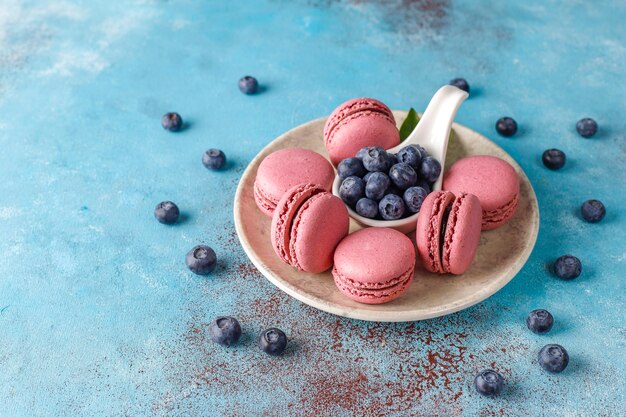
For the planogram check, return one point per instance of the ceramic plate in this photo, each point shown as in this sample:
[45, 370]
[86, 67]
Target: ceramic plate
[500, 255]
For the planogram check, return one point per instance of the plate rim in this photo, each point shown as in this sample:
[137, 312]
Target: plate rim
[386, 316]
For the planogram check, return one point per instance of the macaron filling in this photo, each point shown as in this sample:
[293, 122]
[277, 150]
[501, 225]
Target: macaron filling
[447, 235]
[444, 228]
[434, 230]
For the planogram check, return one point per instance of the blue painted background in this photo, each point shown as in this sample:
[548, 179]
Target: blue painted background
[98, 313]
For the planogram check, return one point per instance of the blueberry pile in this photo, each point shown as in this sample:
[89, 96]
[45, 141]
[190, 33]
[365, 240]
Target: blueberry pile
[380, 185]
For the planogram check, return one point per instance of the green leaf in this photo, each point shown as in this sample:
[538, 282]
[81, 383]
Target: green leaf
[409, 124]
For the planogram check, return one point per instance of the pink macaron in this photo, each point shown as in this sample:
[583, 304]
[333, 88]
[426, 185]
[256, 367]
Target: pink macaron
[374, 265]
[307, 225]
[283, 169]
[448, 231]
[491, 179]
[358, 123]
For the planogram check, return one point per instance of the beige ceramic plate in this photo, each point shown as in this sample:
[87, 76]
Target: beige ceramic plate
[501, 254]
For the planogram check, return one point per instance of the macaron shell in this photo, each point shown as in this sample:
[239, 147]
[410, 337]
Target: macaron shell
[351, 107]
[283, 216]
[263, 202]
[374, 255]
[319, 225]
[286, 168]
[496, 218]
[360, 130]
[373, 294]
[358, 123]
[491, 179]
[462, 234]
[428, 230]
[374, 265]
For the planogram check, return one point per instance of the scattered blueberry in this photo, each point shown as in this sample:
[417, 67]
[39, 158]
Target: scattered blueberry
[414, 197]
[367, 208]
[376, 159]
[593, 211]
[172, 122]
[506, 126]
[586, 127]
[377, 185]
[402, 175]
[225, 331]
[553, 159]
[567, 267]
[391, 207]
[273, 341]
[349, 167]
[248, 85]
[214, 159]
[539, 321]
[553, 358]
[461, 83]
[201, 260]
[352, 189]
[393, 159]
[166, 212]
[430, 169]
[410, 155]
[361, 153]
[488, 383]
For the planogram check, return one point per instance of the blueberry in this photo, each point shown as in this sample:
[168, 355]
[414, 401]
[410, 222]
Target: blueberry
[393, 159]
[376, 159]
[414, 197]
[225, 331]
[391, 207]
[352, 189]
[460, 83]
[273, 341]
[553, 159]
[430, 169]
[377, 185]
[201, 260]
[539, 321]
[488, 383]
[166, 212]
[367, 208]
[410, 155]
[586, 127]
[248, 85]
[593, 211]
[567, 267]
[214, 159]
[402, 175]
[172, 122]
[367, 176]
[349, 167]
[361, 153]
[553, 358]
[506, 126]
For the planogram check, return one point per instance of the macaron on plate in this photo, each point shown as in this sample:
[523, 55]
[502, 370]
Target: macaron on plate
[500, 254]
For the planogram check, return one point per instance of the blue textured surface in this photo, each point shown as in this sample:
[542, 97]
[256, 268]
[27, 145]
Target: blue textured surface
[98, 314]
